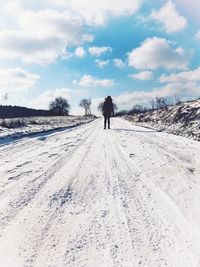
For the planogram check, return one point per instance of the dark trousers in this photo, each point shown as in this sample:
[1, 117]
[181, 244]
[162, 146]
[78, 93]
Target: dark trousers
[106, 119]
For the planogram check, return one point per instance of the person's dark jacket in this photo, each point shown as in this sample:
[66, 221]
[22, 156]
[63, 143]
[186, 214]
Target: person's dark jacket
[108, 108]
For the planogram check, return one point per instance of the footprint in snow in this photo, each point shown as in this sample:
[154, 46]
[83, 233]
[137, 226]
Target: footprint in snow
[53, 155]
[21, 165]
[104, 213]
[42, 138]
[191, 169]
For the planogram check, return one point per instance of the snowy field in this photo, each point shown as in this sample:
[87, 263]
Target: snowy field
[21, 127]
[124, 197]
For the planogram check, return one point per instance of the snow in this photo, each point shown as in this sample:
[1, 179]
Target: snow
[181, 119]
[127, 197]
[20, 127]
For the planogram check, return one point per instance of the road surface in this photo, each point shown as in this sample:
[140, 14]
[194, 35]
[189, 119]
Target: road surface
[124, 197]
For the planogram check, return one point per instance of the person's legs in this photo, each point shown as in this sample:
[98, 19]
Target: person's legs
[105, 121]
[108, 122]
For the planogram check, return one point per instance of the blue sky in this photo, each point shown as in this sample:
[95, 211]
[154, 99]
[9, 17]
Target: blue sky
[132, 50]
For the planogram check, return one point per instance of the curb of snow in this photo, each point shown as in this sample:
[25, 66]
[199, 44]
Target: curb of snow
[17, 136]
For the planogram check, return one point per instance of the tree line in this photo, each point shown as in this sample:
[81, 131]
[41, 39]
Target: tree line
[155, 104]
[19, 112]
[60, 107]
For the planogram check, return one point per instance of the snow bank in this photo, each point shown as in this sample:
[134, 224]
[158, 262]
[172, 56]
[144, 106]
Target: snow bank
[182, 119]
[20, 127]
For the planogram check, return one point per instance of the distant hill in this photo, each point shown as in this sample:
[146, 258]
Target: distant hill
[18, 112]
[181, 119]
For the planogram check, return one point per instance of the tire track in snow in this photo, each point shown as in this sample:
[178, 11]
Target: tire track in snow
[181, 232]
[49, 216]
[101, 209]
[30, 187]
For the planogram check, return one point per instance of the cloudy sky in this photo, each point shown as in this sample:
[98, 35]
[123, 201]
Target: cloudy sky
[133, 50]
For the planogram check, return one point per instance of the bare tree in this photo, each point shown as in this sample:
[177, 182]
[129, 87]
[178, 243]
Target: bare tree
[86, 103]
[170, 100]
[164, 102]
[115, 107]
[153, 104]
[177, 98]
[161, 102]
[137, 109]
[60, 106]
[4, 98]
[100, 107]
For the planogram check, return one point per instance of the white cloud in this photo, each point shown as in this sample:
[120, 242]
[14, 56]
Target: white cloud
[170, 18]
[143, 76]
[186, 90]
[185, 76]
[87, 38]
[30, 49]
[197, 35]
[128, 99]
[157, 53]
[102, 63]
[41, 32]
[44, 99]
[79, 52]
[190, 8]
[90, 81]
[95, 13]
[118, 63]
[16, 79]
[40, 36]
[98, 51]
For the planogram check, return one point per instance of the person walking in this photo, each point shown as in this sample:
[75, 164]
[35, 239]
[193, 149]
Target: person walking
[107, 111]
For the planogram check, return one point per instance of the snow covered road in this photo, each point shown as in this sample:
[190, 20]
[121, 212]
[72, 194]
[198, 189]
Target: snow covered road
[90, 197]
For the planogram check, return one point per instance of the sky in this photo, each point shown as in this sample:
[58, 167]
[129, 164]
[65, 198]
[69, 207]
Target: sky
[133, 50]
